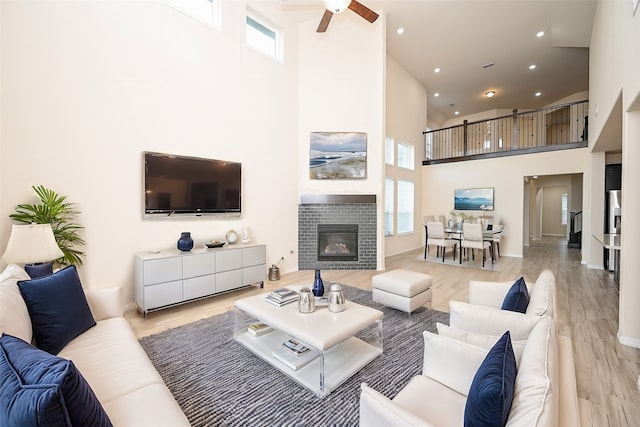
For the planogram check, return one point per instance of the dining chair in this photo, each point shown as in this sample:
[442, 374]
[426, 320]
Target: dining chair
[438, 239]
[425, 220]
[497, 237]
[473, 238]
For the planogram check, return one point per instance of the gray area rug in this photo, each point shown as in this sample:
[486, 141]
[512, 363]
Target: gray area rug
[217, 382]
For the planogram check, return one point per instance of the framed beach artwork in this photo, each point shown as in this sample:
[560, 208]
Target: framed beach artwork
[338, 155]
[473, 199]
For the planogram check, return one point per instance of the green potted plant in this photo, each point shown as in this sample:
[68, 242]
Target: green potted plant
[54, 209]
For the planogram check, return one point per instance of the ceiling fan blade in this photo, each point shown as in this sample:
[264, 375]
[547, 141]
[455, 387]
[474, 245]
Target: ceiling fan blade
[363, 11]
[324, 22]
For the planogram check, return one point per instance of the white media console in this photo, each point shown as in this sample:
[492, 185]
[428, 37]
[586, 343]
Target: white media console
[172, 277]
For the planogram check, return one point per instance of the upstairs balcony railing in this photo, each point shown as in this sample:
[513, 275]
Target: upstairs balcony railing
[553, 128]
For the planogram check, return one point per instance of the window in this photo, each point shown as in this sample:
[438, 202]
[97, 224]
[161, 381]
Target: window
[205, 11]
[564, 209]
[389, 203]
[405, 206]
[263, 36]
[389, 151]
[405, 155]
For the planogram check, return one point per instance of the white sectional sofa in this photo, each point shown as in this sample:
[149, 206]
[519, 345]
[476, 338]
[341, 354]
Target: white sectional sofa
[544, 391]
[107, 355]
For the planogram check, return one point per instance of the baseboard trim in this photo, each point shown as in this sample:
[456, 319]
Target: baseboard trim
[631, 342]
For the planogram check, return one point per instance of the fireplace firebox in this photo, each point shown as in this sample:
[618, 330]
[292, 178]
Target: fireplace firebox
[337, 242]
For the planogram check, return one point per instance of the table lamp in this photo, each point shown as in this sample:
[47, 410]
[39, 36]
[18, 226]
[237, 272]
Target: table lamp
[33, 245]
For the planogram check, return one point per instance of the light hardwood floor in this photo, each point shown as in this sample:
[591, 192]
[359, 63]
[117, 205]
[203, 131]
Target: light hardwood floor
[607, 372]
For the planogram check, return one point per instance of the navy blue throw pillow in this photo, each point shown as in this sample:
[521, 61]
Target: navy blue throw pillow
[39, 270]
[491, 393]
[58, 308]
[517, 298]
[39, 389]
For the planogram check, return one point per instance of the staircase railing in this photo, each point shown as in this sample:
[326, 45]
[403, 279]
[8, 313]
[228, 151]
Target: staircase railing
[553, 128]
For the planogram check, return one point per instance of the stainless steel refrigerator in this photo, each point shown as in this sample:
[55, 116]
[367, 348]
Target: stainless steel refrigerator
[614, 218]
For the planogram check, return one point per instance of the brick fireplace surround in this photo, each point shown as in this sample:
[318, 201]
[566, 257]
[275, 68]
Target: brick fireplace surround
[357, 209]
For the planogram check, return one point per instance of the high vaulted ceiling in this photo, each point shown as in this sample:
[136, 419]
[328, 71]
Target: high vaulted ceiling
[463, 37]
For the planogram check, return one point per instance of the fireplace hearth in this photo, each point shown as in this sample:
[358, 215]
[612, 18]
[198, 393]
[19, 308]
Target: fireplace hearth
[337, 242]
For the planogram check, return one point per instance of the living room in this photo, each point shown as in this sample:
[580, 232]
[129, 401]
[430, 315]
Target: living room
[88, 86]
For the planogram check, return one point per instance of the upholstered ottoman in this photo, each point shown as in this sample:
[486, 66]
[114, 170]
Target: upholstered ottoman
[401, 289]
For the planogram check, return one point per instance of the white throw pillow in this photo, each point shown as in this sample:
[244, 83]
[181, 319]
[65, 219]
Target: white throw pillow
[542, 296]
[535, 397]
[481, 340]
[451, 362]
[14, 316]
[490, 320]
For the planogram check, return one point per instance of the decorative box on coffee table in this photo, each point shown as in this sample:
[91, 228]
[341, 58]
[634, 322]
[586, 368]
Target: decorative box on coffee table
[345, 342]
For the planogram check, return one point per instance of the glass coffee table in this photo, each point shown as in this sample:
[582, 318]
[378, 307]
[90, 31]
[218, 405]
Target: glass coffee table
[340, 343]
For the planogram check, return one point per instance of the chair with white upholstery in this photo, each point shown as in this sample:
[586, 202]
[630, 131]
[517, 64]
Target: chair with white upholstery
[436, 237]
[497, 237]
[425, 220]
[472, 238]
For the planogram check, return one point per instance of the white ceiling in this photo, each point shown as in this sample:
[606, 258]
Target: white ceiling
[461, 36]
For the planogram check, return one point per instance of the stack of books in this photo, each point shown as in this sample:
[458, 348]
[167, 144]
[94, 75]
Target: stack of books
[294, 355]
[257, 329]
[281, 296]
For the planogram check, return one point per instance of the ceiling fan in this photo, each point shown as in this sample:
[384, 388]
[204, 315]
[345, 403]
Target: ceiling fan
[337, 6]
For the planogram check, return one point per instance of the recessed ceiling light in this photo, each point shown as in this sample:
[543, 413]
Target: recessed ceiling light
[436, 94]
[538, 93]
[540, 34]
[437, 70]
[456, 112]
[535, 176]
[532, 66]
[490, 93]
[400, 30]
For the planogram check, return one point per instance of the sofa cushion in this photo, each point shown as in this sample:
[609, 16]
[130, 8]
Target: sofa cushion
[14, 316]
[491, 320]
[111, 343]
[491, 392]
[481, 340]
[517, 298]
[58, 308]
[542, 296]
[39, 389]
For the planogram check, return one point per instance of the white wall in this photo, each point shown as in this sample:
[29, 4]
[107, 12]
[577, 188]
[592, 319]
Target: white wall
[506, 175]
[406, 101]
[88, 86]
[341, 89]
[614, 66]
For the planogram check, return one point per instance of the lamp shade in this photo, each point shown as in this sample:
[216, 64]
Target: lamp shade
[336, 6]
[30, 244]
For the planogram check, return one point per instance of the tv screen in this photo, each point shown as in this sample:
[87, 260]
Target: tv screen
[473, 199]
[191, 185]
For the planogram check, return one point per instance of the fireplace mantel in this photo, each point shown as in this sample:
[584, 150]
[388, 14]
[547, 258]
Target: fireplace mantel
[319, 199]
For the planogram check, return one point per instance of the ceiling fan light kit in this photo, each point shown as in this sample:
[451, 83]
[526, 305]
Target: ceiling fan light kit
[337, 6]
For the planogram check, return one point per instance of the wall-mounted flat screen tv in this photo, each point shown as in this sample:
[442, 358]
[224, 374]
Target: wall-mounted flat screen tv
[473, 199]
[181, 185]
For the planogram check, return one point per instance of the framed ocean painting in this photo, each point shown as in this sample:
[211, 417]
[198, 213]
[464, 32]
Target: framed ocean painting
[338, 155]
[473, 199]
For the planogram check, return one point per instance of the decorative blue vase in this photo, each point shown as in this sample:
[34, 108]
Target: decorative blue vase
[318, 286]
[185, 243]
